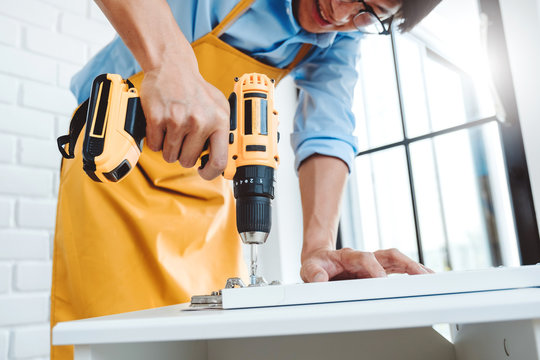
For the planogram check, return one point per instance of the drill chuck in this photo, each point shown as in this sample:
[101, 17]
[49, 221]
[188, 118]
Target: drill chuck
[254, 191]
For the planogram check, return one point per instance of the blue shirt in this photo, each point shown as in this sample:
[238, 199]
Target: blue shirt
[324, 122]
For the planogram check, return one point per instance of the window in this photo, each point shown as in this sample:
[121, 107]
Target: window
[431, 176]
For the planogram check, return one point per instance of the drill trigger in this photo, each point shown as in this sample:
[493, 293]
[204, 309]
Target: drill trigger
[205, 155]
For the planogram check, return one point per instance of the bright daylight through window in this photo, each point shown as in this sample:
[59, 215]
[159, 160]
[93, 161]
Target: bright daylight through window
[430, 178]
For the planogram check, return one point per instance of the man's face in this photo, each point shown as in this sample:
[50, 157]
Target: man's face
[320, 16]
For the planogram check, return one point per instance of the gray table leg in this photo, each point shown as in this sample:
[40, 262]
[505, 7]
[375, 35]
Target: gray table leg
[497, 340]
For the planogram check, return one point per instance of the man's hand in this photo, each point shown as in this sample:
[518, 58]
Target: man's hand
[182, 111]
[325, 265]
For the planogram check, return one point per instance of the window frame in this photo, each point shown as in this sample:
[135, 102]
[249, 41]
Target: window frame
[521, 199]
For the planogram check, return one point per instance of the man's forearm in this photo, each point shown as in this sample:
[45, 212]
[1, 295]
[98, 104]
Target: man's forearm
[149, 30]
[322, 180]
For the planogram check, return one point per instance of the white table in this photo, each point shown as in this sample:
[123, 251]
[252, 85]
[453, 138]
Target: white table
[490, 325]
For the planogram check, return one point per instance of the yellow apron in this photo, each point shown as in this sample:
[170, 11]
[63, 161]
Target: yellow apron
[163, 233]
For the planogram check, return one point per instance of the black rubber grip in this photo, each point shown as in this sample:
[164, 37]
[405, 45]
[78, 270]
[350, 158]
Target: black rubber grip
[254, 213]
[255, 95]
[256, 148]
[135, 123]
[232, 105]
[204, 160]
[206, 157]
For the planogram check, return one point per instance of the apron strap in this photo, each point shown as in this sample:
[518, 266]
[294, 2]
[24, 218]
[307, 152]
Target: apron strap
[304, 50]
[234, 14]
[75, 127]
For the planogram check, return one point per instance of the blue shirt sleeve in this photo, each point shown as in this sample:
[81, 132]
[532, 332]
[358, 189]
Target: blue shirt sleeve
[324, 122]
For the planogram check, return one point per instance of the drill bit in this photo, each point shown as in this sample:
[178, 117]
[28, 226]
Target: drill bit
[253, 267]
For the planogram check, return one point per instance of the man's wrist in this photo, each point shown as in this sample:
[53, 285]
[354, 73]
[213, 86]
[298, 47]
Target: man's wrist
[316, 243]
[172, 54]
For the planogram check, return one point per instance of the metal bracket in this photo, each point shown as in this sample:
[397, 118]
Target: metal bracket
[215, 299]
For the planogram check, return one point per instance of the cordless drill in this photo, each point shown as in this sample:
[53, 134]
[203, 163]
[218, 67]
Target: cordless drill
[115, 129]
[253, 156]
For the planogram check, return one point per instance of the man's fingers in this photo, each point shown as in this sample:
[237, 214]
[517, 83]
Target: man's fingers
[427, 269]
[353, 264]
[218, 156]
[394, 261]
[172, 145]
[364, 264]
[192, 147]
[155, 134]
[313, 273]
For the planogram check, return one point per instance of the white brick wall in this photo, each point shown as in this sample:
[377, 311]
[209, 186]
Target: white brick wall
[30, 342]
[8, 90]
[20, 62]
[27, 309]
[42, 44]
[3, 344]
[25, 181]
[6, 212]
[7, 149]
[22, 121]
[9, 31]
[33, 276]
[5, 278]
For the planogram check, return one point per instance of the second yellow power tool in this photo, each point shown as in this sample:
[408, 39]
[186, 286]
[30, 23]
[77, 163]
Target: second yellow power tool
[115, 128]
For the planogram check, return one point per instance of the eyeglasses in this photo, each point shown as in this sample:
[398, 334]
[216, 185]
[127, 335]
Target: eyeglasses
[367, 21]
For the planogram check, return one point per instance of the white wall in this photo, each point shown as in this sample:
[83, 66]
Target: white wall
[280, 256]
[42, 43]
[522, 27]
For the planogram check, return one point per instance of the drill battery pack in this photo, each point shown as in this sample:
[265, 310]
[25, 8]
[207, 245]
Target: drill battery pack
[115, 129]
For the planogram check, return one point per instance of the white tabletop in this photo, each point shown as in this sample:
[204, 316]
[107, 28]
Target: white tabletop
[172, 323]
[394, 286]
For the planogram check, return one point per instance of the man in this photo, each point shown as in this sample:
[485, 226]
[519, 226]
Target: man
[164, 233]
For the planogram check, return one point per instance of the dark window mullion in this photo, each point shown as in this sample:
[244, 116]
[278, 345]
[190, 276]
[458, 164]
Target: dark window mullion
[430, 135]
[407, 153]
